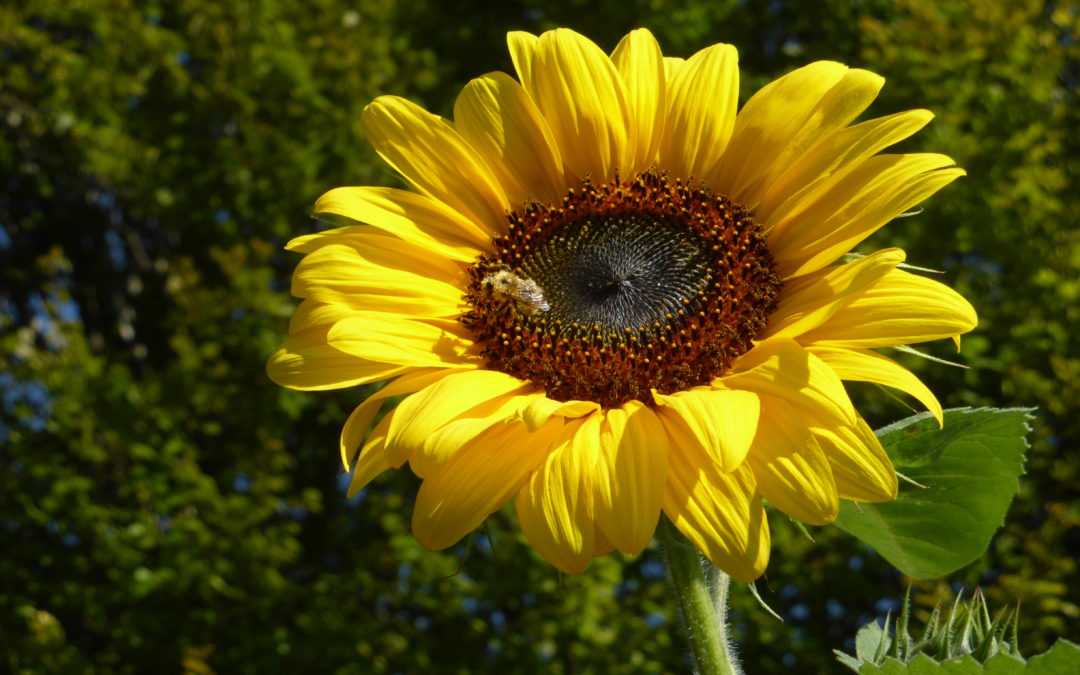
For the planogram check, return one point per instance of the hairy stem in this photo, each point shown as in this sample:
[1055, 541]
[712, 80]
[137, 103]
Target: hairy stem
[704, 614]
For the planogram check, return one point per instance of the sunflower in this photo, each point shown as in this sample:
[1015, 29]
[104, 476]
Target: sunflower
[613, 293]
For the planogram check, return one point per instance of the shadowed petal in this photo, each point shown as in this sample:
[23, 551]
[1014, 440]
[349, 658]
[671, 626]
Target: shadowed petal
[781, 368]
[720, 513]
[807, 302]
[554, 507]
[641, 65]
[792, 471]
[399, 340]
[379, 273]
[863, 365]
[768, 124]
[581, 96]
[449, 399]
[477, 481]
[862, 470]
[703, 98]
[305, 361]
[628, 483]
[902, 308]
[835, 156]
[724, 421]
[360, 419]
[853, 207]
[495, 115]
[417, 219]
[428, 152]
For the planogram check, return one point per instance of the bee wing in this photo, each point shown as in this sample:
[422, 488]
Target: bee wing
[531, 294]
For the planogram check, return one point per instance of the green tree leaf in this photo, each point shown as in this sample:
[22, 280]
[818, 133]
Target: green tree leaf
[969, 470]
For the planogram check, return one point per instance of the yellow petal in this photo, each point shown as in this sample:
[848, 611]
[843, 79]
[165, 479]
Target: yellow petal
[853, 208]
[537, 412]
[702, 102]
[834, 111]
[522, 47]
[380, 248]
[449, 399]
[641, 65]
[672, 66]
[866, 366]
[769, 121]
[901, 308]
[601, 545]
[832, 158]
[352, 435]
[379, 273]
[628, 483]
[808, 301]
[477, 481]
[723, 421]
[416, 218]
[431, 155]
[581, 95]
[305, 361]
[850, 186]
[791, 470]
[495, 115]
[862, 470]
[392, 339]
[719, 512]
[780, 367]
[372, 460]
[309, 314]
[554, 507]
[437, 449]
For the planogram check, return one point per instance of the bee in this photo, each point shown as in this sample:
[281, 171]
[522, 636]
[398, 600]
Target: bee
[527, 296]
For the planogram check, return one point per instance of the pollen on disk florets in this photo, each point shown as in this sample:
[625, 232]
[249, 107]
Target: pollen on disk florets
[644, 284]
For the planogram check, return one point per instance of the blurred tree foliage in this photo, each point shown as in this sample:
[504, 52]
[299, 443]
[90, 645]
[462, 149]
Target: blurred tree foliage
[163, 507]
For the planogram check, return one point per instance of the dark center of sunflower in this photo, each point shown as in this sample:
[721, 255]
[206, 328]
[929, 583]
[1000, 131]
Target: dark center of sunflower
[623, 288]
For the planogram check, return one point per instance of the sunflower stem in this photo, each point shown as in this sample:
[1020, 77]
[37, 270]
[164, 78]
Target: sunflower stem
[704, 613]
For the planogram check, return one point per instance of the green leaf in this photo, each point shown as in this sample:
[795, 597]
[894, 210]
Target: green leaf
[920, 665]
[1062, 659]
[1003, 663]
[970, 471]
[871, 642]
[848, 660]
[924, 665]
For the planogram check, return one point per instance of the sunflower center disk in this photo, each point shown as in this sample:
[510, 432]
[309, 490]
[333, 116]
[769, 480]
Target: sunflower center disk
[623, 288]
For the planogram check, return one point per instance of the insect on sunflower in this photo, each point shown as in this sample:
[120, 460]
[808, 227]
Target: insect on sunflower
[688, 320]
